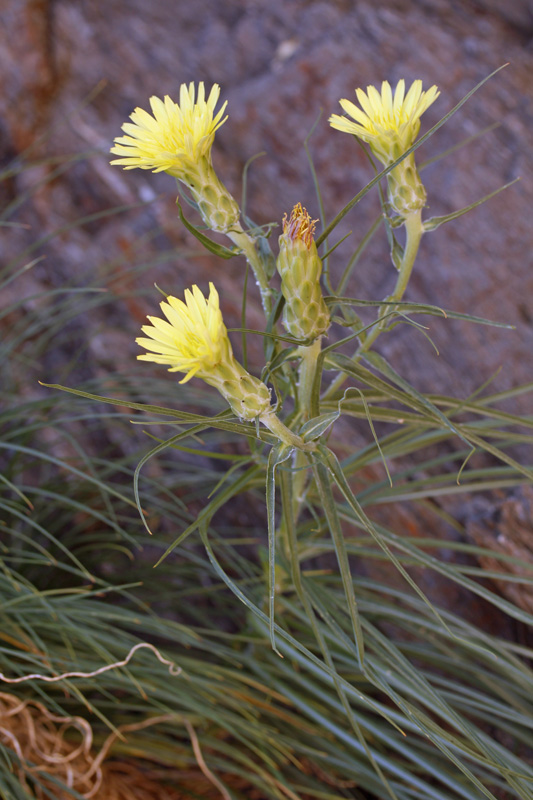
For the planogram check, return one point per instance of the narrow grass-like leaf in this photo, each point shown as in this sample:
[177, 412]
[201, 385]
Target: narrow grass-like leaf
[204, 517]
[416, 308]
[213, 247]
[435, 222]
[379, 363]
[278, 455]
[322, 476]
[354, 260]
[334, 467]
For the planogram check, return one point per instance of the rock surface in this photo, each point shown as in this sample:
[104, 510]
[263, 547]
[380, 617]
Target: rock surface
[507, 529]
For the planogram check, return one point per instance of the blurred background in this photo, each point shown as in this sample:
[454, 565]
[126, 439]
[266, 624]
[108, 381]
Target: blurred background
[73, 71]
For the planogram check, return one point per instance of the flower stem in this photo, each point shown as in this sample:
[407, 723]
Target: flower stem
[247, 244]
[305, 405]
[284, 434]
[414, 229]
[306, 380]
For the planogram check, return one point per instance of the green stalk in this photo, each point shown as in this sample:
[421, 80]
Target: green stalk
[284, 434]
[414, 229]
[305, 405]
[247, 244]
[306, 380]
[299, 481]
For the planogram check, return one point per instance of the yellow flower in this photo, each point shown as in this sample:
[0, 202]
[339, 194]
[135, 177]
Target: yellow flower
[193, 338]
[176, 137]
[388, 122]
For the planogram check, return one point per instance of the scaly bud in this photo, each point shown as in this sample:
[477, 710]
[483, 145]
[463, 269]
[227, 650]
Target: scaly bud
[305, 315]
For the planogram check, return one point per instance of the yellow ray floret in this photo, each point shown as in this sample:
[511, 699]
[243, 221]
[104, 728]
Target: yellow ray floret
[382, 115]
[193, 338]
[176, 136]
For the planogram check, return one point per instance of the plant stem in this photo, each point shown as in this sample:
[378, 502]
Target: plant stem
[414, 230]
[305, 392]
[284, 434]
[306, 379]
[413, 234]
[247, 244]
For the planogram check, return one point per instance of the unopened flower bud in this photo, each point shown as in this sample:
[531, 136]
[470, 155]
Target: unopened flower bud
[305, 315]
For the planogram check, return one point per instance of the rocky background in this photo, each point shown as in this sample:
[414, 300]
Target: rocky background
[73, 70]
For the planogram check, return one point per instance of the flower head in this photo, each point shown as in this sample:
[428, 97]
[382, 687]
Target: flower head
[193, 338]
[388, 122]
[175, 137]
